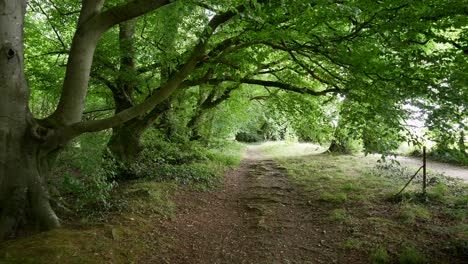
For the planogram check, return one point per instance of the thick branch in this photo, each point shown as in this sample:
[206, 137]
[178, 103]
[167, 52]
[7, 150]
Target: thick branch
[209, 104]
[128, 11]
[160, 95]
[287, 87]
[91, 25]
[98, 110]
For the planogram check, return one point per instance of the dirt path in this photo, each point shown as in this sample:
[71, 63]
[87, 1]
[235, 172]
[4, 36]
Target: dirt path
[258, 217]
[439, 167]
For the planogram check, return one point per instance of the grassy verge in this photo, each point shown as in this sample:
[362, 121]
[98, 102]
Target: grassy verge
[357, 196]
[281, 149]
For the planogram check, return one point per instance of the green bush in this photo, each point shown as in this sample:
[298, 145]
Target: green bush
[439, 192]
[248, 137]
[165, 152]
[185, 162]
[88, 190]
[83, 178]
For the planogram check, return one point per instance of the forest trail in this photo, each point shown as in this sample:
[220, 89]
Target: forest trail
[259, 216]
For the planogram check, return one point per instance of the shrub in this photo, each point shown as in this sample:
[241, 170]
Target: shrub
[89, 190]
[449, 155]
[184, 174]
[439, 192]
[248, 137]
[82, 176]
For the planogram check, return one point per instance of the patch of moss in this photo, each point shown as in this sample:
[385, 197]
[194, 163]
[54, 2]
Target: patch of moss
[63, 246]
[338, 215]
[351, 243]
[151, 197]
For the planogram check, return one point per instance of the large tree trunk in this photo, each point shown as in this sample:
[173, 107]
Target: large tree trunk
[24, 198]
[461, 142]
[125, 142]
[195, 123]
[338, 146]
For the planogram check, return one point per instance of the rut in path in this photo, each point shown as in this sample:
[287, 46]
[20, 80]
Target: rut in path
[260, 216]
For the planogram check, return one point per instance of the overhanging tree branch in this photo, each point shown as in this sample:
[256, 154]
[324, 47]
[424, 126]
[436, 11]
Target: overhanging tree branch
[66, 133]
[309, 71]
[281, 85]
[91, 25]
[289, 87]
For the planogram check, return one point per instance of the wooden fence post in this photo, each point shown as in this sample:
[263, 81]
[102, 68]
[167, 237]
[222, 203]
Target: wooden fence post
[424, 170]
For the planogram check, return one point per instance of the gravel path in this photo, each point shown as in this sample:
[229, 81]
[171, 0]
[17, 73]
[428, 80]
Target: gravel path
[439, 167]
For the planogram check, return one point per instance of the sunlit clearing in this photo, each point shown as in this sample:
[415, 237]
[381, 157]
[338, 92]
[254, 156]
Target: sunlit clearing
[278, 149]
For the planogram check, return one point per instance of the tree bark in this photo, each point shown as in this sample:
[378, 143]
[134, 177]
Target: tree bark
[461, 142]
[125, 142]
[341, 141]
[24, 199]
[91, 25]
[194, 124]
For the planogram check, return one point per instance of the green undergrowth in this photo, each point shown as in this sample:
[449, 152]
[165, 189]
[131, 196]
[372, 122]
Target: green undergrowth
[186, 162]
[357, 194]
[86, 175]
[105, 221]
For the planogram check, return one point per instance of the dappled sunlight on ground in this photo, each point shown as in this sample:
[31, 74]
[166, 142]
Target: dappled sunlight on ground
[282, 149]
